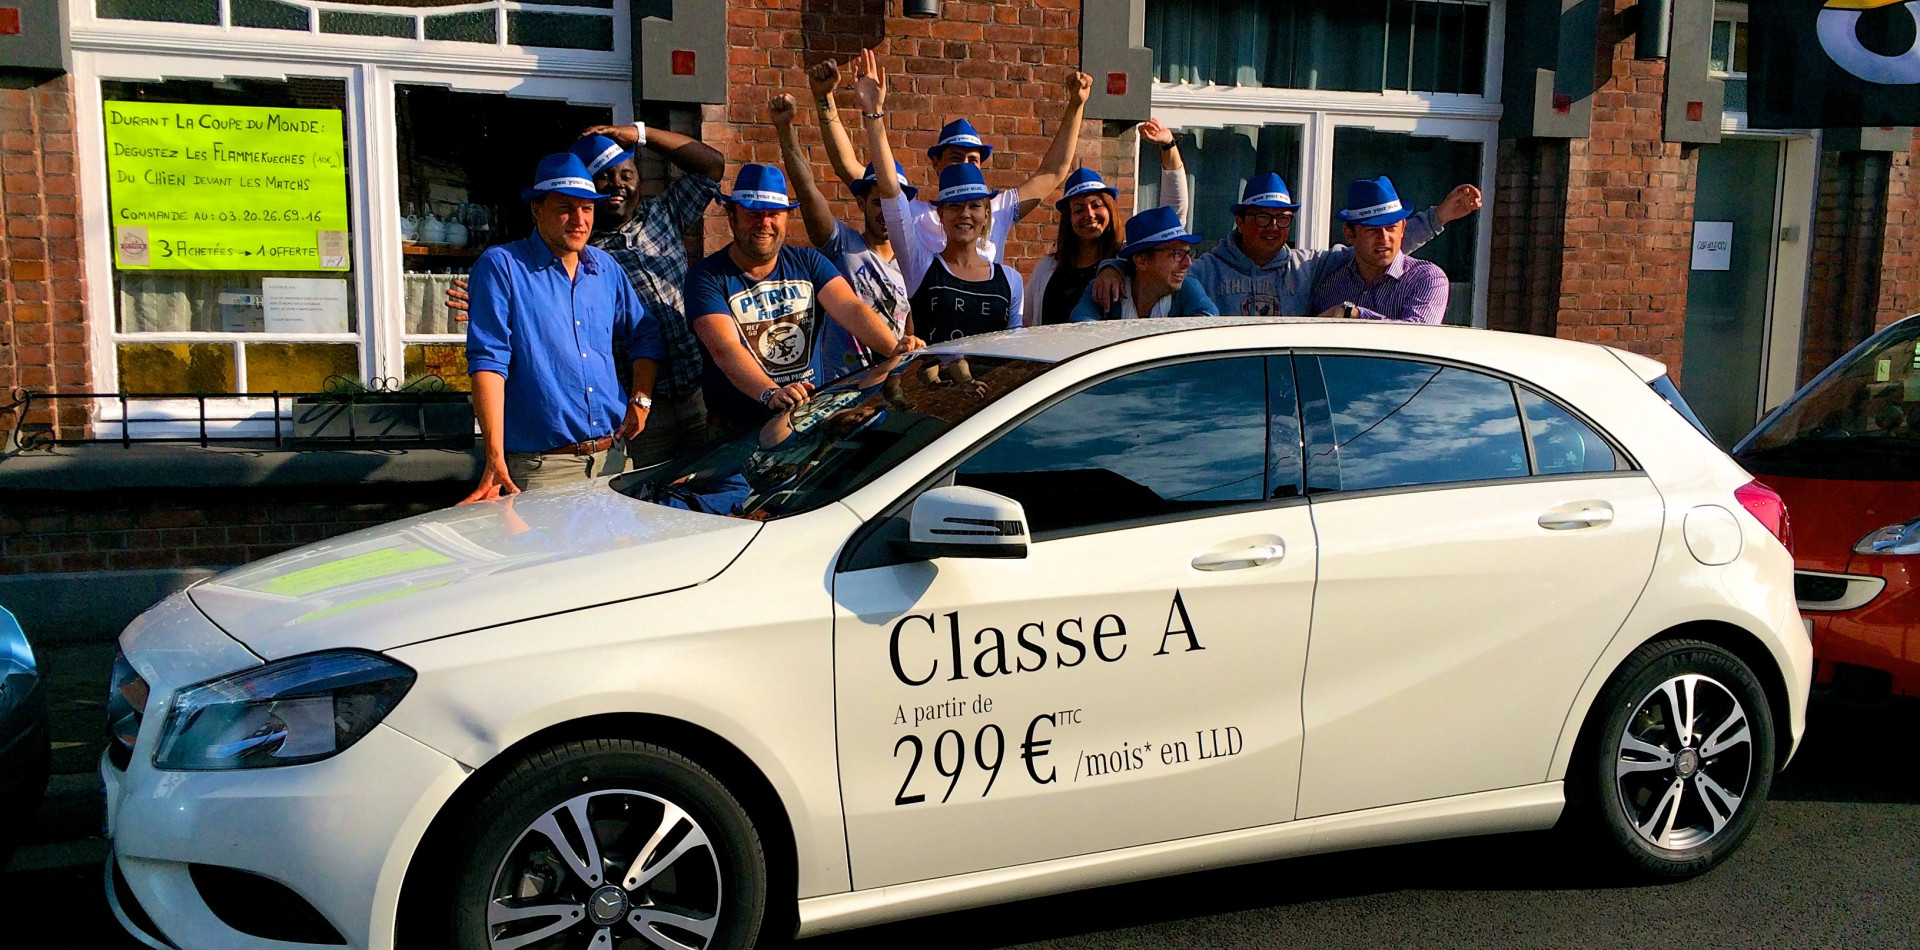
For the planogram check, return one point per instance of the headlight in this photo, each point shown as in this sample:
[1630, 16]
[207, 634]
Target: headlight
[297, 710]
[1902, 538]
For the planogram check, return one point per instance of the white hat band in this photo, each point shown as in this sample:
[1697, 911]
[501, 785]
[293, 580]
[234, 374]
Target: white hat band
[960, 139]
[555, 184]
[1375, 210]
[1280, 196]
[1170, 234]
[968, 191]
[769, 197]
[604, 159]
[1086, 186]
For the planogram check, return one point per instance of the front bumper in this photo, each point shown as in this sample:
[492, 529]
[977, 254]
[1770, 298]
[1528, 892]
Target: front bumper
[339, 833]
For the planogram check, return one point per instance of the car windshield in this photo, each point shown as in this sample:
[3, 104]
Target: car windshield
[845, 436]
[1862, 421]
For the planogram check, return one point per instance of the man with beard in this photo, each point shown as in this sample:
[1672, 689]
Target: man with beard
[756, 307]
[865, 257]
[646, 237]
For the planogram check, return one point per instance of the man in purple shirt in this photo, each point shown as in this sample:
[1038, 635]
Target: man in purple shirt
[1380, 283]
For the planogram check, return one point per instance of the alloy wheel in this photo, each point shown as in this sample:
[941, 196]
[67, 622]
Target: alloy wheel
[1684, 762]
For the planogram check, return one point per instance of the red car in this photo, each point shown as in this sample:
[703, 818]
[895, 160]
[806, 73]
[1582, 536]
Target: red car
[1845, 454]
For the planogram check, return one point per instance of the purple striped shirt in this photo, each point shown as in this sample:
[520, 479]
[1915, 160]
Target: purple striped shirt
[1411, 291]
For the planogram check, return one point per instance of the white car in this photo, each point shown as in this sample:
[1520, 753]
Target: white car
[1025, 613]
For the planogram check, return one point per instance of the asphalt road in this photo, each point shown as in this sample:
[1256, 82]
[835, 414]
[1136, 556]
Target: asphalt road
[1834, 862]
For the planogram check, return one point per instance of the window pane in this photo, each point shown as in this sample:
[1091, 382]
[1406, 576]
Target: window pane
[166, 11]
[150, 368]
[1352, 45]
[1218, 163]
[1398, 422]
[1174, 440]
[1424, 169]
[366, 24]
[269, 15]
[1284, 444]
[559, 30]
[445, 360]
[299, 367]
[1720, 55]
[472, 27]
[1740, 48]
[1562, 444]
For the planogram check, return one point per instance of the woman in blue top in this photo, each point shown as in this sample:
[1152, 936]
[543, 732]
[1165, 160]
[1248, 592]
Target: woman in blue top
[955, 289]
[1161, 252]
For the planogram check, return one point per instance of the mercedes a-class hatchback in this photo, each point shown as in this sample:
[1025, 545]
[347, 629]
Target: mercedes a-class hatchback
[1024, 613]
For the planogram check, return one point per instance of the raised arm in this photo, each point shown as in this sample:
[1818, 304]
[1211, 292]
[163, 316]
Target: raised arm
[815, 210]
[870, 85]
[823, 79]
[1173, 172]
[1066, 141]
[685, 153]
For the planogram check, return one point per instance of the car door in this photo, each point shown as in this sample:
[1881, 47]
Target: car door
[1474, 561]
[1135, 678]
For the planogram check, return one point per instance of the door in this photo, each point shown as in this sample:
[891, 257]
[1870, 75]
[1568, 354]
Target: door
[1135, 678]
[1730, 285]
[1474, 562]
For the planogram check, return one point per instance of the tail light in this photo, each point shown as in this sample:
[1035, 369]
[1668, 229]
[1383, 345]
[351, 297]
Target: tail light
[1768, 508]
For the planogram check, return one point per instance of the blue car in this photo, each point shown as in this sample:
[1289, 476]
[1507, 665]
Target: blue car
[25, 754]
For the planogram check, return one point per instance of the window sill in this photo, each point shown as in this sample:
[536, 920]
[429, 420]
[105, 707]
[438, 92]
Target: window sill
[105, 466]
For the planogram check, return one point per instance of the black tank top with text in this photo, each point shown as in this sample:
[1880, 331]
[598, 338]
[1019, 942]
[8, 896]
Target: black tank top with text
[948, 308]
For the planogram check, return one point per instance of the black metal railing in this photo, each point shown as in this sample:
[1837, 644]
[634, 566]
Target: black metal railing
[384, 412]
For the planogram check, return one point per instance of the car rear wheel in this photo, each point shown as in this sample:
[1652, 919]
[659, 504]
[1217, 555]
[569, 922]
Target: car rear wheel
[1676, 761]
[605, 844]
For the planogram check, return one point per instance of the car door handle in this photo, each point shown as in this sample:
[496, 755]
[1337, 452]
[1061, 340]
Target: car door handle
[1585, 514]
[1243, 557]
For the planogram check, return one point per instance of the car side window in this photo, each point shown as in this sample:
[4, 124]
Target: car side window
[1168, 441]
[1562, 444]
[1391, 423]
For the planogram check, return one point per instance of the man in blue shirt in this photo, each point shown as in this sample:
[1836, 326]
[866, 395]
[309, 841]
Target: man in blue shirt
[544, 313]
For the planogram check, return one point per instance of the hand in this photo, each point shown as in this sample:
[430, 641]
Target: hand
[781, 108]
[627, 136]
[1339, 311]
[907, 344]
[789, 396]
[1463, 200]
[457, 295]
[823, 79]
[630, 427]
[1152, 132]
[494, 482]
[1079, 88]
[1109, 287]
[871, 85]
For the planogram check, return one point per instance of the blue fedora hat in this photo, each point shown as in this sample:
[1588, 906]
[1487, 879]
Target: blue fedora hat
[1083, 181]
[760, 188]
[962, 182]
[962, 133]
[866, 182]
[1265, 190]
[598, 153]
[1155, 226]
[1372, 202]
[561, 173]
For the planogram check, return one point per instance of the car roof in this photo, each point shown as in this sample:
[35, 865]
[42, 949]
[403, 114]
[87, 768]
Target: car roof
[1061, 342]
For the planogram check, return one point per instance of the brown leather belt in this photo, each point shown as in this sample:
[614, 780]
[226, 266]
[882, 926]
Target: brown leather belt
[601, 444]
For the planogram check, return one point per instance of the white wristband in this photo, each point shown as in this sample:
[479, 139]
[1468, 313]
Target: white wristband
[641, 130]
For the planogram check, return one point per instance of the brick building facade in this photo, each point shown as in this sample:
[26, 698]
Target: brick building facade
[1584, 235]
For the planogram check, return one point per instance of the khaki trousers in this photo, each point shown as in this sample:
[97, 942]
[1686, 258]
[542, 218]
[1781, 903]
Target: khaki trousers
[531, 471]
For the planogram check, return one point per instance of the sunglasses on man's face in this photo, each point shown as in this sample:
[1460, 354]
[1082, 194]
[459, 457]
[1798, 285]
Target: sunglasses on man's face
[1267, 220]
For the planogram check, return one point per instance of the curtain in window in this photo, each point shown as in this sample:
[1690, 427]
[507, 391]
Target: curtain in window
[1343, 45]
[1218, 163]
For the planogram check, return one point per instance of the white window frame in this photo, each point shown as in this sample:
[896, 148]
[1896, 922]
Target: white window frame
[1466, 118]
[139, 51]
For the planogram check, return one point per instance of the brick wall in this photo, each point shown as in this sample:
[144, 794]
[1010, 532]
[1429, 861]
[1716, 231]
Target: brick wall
[47, 532]
[1629, 213]
[998, 64]
[43, 335]
[1843, 280]
[1900, 247]
[1529, 235]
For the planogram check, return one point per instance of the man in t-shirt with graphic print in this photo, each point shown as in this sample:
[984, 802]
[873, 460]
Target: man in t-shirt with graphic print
[755, 306]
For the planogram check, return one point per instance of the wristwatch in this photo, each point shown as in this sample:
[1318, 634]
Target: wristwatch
[644, 402]
[641, 129]
[1349, 310]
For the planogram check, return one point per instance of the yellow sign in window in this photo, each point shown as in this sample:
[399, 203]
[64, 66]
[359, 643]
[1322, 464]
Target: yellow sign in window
[197, 187]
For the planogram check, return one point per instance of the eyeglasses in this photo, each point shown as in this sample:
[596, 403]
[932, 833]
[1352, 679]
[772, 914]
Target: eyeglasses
[1264, 220]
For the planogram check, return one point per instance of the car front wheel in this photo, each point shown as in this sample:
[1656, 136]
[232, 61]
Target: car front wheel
[1677, 761]
[604, 844]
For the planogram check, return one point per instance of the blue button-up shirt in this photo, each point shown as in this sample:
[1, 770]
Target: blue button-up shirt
[552, 338]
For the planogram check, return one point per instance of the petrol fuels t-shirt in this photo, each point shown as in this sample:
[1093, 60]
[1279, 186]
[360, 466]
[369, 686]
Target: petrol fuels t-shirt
[778, 318]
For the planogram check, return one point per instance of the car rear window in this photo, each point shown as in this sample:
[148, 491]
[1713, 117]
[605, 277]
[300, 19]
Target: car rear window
[1859, 419]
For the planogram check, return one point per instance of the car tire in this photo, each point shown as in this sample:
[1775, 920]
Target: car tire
[1667, 795]
[526, 877]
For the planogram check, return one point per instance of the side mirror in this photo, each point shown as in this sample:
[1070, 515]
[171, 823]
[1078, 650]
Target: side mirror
[956, 521]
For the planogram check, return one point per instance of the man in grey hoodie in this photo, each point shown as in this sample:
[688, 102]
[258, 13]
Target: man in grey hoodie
[1254, 273]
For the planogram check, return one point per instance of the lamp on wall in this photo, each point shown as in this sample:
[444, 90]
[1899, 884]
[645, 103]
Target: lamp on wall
[921, 9]
[1653, 31]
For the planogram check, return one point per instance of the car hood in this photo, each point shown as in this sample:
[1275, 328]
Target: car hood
[467, 567]
[1831, 516]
